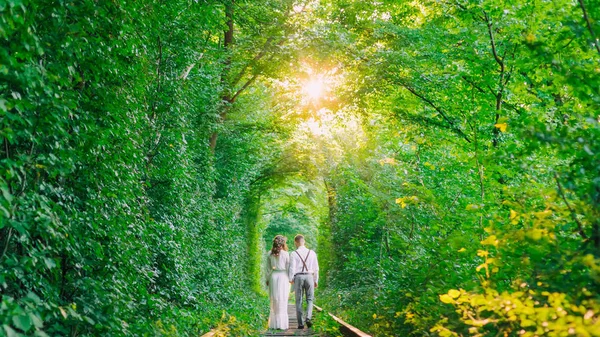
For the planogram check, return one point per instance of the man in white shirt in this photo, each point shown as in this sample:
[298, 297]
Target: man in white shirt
[304, 275]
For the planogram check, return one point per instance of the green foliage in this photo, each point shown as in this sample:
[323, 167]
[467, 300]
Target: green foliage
[480, 173]
[449, 179]
[326, 325]
[116, 217]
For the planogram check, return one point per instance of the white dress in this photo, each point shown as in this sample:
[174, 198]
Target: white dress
[279, 289]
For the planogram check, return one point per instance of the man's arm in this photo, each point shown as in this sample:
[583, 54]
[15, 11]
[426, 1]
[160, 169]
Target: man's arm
[316, 276]
[291, 269]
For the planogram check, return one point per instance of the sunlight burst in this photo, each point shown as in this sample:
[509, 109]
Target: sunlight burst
[314, 127]
[320, 124]
[314, 89]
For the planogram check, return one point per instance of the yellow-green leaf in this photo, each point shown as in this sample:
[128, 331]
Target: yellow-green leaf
[454, 293]
[501, 126]
[490, 241]
[446, 299]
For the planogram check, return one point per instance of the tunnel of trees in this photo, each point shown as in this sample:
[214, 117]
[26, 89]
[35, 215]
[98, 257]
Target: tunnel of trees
[442, 157]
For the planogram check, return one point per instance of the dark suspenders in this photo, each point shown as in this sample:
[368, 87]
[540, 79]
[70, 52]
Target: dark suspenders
[304, 260]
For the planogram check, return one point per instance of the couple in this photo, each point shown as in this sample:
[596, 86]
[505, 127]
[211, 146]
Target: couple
[299, 268]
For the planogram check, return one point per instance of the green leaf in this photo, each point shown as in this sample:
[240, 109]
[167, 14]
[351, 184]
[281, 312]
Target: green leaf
[6, 193]
[9, 331]
[37, 321]
[22, 322]
[49, 262]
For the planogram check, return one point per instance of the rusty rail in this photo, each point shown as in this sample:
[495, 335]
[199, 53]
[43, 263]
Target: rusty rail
[346, 328]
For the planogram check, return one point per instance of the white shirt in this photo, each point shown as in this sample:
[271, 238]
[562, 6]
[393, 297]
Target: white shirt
[296, 265]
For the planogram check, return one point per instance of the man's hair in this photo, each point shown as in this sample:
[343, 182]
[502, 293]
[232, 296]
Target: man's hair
[299, 238]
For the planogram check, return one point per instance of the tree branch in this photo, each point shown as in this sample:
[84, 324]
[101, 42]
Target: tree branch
[187, 70]
[476, 86]
[6, 243]
[571, 211]
[493, 42]
[256, 58]
[439, 110]
[451, 205]
[158, 77]
[589, 25]
[244, 87]
[228, 42]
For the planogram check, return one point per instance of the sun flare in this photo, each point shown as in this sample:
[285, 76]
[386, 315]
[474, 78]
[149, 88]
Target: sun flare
[320, 124]
[314, 89]
[314, 127]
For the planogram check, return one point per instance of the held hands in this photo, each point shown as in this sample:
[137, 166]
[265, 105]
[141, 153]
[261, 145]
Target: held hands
[316, 285]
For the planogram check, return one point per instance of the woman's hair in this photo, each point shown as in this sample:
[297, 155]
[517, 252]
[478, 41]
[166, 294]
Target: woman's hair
[278, 245]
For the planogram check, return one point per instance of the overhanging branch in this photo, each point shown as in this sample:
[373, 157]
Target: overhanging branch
[453, 126]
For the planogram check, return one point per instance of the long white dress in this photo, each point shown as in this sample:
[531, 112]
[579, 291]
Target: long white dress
[279, 289]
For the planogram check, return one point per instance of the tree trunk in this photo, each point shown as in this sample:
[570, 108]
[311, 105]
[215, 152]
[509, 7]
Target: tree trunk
[226, 95]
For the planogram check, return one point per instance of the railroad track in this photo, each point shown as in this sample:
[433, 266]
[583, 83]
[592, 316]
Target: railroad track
[346, 329]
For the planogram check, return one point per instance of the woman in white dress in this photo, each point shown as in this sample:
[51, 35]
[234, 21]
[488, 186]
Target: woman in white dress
[276, 273]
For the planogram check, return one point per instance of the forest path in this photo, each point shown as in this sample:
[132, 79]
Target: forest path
[292, 331]
[345, 328]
